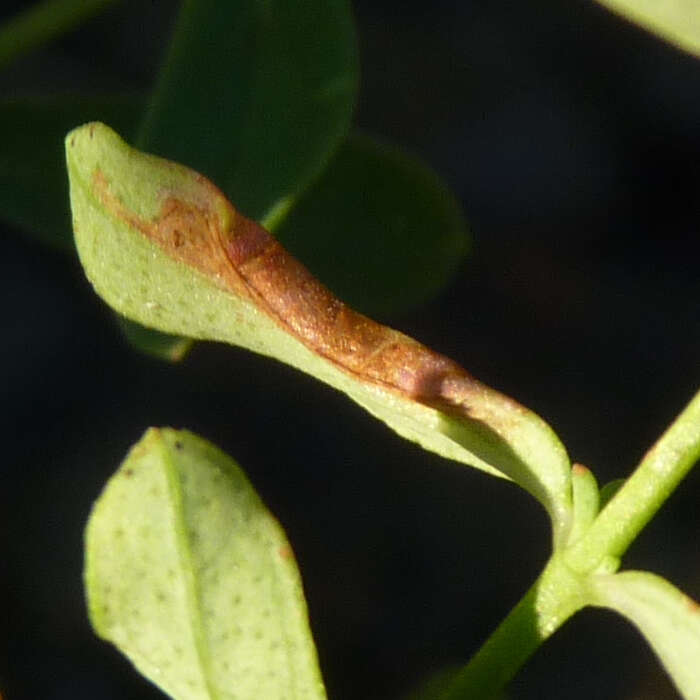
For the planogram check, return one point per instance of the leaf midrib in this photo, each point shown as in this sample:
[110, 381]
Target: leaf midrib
[184, 552]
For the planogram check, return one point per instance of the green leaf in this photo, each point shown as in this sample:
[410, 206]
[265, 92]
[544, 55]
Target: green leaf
[608, 491]
[156, 241]
[676, 21]
[256, 94]
[398, 235]
[42, 22]
[641, 495]
[164, 346]
[668, 619]
[33, 188]
[586, 500]
[189, 575]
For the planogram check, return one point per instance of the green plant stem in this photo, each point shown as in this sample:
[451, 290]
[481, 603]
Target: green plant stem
[42, 22]
[561, 589]
[633, 506]
[556, 595]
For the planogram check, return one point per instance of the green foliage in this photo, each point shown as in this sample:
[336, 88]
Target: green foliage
[367, 186]
[42, 22]
[33, 160]
[668, 619]
[186, 571]
[677, 21]
[281, 80]
[140, 279]
[191, 577]
[142, 282]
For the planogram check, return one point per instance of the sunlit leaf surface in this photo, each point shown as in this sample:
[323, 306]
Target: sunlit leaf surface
[189, 575]
[676, 21]
[164, 247]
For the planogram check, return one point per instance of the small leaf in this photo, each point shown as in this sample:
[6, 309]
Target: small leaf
[398, 235]
[33, 188]
[164, 247]
[42, 22]
[189, 575]
[164, 346]
[668, 619]
[586, 500]
[608, 491]
[676, 21]
[256, 94]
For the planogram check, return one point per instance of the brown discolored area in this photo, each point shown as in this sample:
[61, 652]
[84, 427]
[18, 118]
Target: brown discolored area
[285, 552]
[295, 298]
[241, 256]
[185, 230]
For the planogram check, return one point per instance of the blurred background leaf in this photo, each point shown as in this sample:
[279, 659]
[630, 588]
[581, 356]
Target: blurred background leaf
[41, 22]
[379, 227]
[164, 346]
[33, 181]
[255, 95]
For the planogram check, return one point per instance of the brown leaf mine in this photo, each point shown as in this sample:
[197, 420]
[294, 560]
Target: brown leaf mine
[206, 233]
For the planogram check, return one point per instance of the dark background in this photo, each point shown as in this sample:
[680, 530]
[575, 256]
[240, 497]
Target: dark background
[573, 141]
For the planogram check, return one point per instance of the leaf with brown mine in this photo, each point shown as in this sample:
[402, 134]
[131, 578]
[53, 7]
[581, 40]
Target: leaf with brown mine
[164, 246]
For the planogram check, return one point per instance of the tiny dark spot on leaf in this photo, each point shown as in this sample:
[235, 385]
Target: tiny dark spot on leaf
[128, 472]
[178, 445]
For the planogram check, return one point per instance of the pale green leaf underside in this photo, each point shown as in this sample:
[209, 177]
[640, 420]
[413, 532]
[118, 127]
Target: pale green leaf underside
[668, 619]
[677, 21]
[189, 575]
[141, 282]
